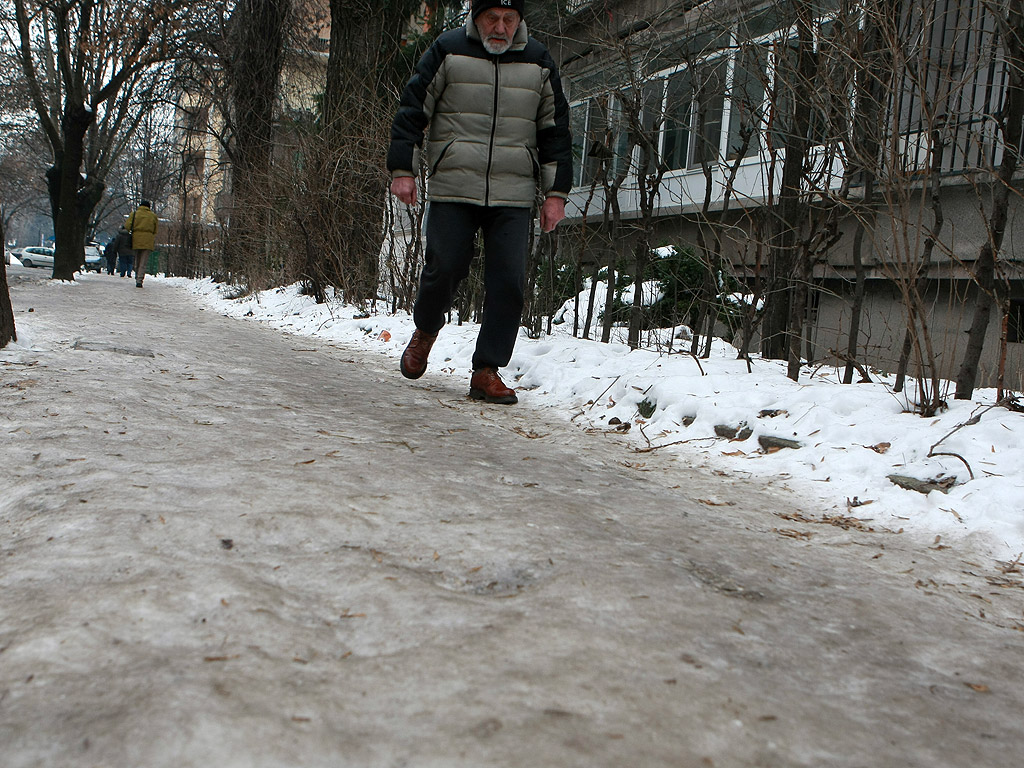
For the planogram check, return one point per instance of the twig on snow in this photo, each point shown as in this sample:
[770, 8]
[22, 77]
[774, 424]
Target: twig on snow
[598, 398]
[666, 445]
[975, 418]
[932, 454]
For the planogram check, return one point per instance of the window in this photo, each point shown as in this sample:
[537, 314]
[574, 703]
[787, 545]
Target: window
[693, 115]
[651, 122]
[678, 108]
[600, 139]
[709, 101]
[195, 119]
[1015, 322]
[618, 130]
[589, 128]
[578, 126]
[746, 98]
[727, 97]
[196, 164]
[193, 207]
[791, 93]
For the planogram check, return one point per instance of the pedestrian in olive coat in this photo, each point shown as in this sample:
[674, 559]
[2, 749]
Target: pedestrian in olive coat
[142, 223]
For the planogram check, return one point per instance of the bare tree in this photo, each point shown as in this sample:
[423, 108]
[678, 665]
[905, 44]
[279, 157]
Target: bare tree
[796, 72]
[8, 331]
[870, 61]
[1009, 16]
[254, 61]
[84, 64]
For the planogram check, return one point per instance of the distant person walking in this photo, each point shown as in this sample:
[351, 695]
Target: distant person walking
[125, 254]
[110, 254]
[142, 224]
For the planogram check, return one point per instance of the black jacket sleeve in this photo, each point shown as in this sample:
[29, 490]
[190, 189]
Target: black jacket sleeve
[412, 118]
[554, 143]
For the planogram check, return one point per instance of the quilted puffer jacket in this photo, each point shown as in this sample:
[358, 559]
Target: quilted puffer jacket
[497, 127]
[142, 223]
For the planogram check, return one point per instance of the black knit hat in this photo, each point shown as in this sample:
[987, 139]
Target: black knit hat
[479, 6]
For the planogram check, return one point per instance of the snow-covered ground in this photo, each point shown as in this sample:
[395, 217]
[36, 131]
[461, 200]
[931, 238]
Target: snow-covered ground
[852, 437]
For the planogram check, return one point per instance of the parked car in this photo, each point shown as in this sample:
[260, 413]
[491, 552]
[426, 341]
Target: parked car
[94, 258]
[36, 256]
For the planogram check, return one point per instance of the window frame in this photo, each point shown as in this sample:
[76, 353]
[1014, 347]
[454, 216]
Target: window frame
[758, 150]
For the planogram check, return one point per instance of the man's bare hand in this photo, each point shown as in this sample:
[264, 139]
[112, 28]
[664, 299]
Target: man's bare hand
[404, 188]
[551, 212]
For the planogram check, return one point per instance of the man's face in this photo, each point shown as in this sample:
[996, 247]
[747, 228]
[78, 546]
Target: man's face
[497, 27]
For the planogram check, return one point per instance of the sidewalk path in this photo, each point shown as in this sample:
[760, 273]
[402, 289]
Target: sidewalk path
[224, 546]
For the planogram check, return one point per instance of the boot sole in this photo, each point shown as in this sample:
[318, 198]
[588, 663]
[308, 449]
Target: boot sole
[410, 374]
[479, 394]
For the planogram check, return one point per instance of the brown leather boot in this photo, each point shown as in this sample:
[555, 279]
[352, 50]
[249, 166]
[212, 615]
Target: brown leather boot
[486, 385]
[414, 359]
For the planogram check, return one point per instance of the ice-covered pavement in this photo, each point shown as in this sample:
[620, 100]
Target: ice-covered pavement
[226, 546]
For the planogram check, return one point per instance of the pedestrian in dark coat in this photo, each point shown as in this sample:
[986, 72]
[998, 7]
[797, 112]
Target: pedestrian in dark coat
[110, 254]
[125, 254]
[486, 101]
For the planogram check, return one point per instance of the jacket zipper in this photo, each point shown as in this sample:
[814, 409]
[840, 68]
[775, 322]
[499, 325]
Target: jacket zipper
[490, 145]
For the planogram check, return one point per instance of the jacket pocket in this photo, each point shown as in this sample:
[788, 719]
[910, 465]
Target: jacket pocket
[440, 157]
[534, 161]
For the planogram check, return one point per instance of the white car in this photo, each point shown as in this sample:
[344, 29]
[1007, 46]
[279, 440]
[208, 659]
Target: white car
[35, 256]
[94, 258]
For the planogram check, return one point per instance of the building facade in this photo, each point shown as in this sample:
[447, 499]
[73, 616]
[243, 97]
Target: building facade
[893, 115]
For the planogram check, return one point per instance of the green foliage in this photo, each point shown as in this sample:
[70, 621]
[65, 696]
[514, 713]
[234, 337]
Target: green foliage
[559, 287]
[646, 408]
[681, 277]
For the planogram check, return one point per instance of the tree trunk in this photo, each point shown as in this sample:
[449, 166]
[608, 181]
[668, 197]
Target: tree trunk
[641, 255]
[609, 297]
[866, 135]
[1010, 120]
[71, 200]
[904, 361]
[857, 308]
[984, 277]
[257, 56]
[797, 312]
[362, 75]
[591, 300]
[8, 332]
[791, 212]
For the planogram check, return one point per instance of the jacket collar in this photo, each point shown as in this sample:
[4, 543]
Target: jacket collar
[519, 40]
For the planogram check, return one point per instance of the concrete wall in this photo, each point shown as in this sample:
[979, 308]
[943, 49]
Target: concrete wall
[894, 247]
[950, 306]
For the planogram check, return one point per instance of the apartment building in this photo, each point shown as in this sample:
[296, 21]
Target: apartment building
[684, 114]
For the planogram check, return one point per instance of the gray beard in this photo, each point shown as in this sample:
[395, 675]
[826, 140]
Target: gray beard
[496, 50]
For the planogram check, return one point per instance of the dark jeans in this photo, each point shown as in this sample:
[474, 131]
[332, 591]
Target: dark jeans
[451, 235]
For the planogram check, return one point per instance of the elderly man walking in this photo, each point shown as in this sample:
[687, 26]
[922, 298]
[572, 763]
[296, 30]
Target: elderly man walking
[489, 99]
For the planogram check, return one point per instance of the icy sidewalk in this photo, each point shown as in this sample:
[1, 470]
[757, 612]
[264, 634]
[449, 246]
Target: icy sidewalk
[848, 450]
[227, 546]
